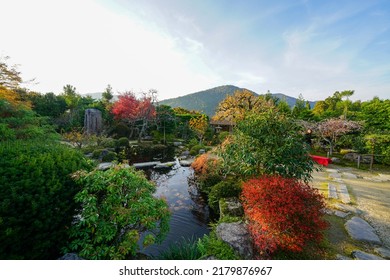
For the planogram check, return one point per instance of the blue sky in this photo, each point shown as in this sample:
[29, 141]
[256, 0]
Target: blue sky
[313, 48]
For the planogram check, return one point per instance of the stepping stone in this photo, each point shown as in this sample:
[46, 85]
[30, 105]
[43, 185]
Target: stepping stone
[338, 180]
[332, 191]
[385, 177]
[341, 214]
[331, 170]
[346, 208]
[186, 162]
[146, 164]
[360, 230]
[344, 195]
[334, 175]
[383, 252]
[374, 179]
[327, 211]
[359, 255]
[342, 257]
[349, 175]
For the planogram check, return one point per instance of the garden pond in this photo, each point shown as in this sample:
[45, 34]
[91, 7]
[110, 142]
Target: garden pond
[189, 211]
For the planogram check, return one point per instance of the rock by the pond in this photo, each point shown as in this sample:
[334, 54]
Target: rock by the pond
[230, 207]
[383, 252]
[105, 165]
[185, 162]
[360, 230]
[185, 153]
[70, 256]
[360, 255]
[202, 151]
[237, 236]
[177, 144]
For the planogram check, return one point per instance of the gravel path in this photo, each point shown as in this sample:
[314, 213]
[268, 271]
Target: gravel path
[372, 196]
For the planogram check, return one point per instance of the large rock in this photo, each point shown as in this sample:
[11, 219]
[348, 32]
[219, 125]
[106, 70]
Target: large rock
[92, 121]
[360, 230]
[237, 236]
[359, 255]
[105, 165]
[383, 252]
[230, 207]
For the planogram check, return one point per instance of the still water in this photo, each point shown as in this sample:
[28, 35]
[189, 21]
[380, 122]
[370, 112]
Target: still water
[189, 212]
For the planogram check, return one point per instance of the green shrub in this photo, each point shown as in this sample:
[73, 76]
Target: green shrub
[6, 133]
[118, 206]
[206, 181]
[109, 143]
[211, 245]
[158, 137]
[223, 135]
[195, 150]
[379, 144]
[192, 143]
[123, 142]
[36, 192]
[96, 153]
[120, 130]
[109, 156]
[89, 149]
[223, 189]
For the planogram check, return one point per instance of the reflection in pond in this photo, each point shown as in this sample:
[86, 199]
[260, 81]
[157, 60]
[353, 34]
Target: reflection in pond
[190, 215]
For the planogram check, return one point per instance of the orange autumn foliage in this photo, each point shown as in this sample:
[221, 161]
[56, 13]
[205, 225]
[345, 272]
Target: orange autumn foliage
[204, 164]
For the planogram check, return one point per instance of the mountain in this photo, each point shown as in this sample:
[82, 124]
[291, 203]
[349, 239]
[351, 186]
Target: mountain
[206, 101]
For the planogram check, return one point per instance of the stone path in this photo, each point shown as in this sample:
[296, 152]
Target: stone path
[339, 180]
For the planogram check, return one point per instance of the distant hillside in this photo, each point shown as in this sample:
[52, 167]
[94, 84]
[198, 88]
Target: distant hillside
[206, 101]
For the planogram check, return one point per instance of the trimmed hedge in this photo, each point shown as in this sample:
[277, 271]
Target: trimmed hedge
[36, 198]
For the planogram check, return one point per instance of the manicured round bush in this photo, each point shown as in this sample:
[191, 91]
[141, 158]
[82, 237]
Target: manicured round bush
[283, 213]
[109, 156]
[96, 153]
[123, 142]
[195, 150]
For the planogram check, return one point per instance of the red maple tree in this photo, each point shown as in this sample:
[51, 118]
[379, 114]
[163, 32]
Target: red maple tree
[283, 213]
[132, 110]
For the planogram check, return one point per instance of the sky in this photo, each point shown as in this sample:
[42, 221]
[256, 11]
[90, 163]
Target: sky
[308, 47]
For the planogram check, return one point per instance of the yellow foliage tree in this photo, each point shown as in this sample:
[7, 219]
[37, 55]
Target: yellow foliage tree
[199, 125]
[234, 107]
